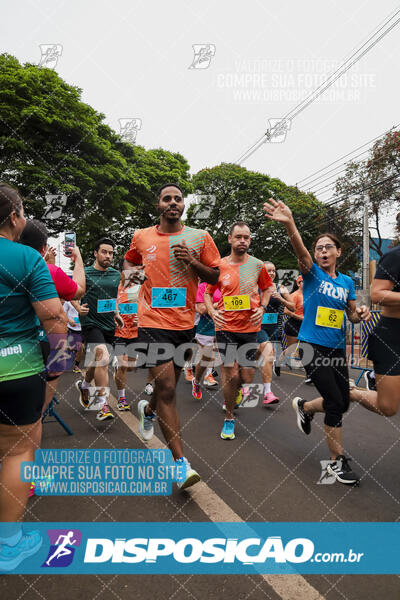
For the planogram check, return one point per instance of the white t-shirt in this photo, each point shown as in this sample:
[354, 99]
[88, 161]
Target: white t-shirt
[72, 314]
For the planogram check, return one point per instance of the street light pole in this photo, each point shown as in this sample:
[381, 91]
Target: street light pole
[365, 265]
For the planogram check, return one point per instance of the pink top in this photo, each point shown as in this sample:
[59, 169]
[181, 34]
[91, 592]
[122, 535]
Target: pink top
[65, 286]
[201, 290]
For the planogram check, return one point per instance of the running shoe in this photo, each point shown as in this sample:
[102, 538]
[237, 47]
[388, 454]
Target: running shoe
[295, 363]
[32, 489]
[308, 381]
[122, 404]
[196, 390]
[189, 375]
[276, 369]
[270, 398]
[149, 390]
[303, 419]
[370, 381]
[238, 401]
[209, 381]
[341, 469]
[146, 427]
[76, 369]
[84, 394]
[104, 413]
[190, 477]
[12, 556]
[228, 430]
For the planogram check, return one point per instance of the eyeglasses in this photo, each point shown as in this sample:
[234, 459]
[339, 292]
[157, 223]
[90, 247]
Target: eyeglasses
[326, 247]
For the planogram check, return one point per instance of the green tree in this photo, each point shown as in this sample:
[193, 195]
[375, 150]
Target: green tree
[53, 143]
[380, 174]
[228, 193]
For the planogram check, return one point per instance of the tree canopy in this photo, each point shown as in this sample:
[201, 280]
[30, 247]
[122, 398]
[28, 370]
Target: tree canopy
[377, 176]
[53, 143]
[229, 193]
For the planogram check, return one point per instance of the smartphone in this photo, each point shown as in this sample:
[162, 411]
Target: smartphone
[69, 242]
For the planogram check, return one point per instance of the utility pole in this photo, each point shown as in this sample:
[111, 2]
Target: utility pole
[365, 265]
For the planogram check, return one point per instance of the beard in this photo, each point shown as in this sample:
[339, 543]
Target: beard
[172, 218]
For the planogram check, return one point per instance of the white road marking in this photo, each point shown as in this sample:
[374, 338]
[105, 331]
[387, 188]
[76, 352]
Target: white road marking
[288, 587]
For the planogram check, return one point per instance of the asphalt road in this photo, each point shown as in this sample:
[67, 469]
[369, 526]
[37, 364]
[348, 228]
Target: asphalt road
[270, 472]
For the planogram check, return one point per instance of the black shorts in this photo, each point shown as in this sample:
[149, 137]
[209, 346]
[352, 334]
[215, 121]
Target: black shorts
[273, 332]
[21, 400]
[384, 346]
[231, 346]
[159, 346]
[292, 327]
[124, 346]
[95, 335]
[92, 337]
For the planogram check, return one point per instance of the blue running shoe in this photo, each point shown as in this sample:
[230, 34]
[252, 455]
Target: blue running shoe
[228, 430]
[12, 556]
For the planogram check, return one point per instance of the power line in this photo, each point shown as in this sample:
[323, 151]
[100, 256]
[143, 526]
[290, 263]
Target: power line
[342, 157]
[321, 88]
[364, 189]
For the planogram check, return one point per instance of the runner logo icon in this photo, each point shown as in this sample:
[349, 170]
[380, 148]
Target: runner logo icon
[61, 551]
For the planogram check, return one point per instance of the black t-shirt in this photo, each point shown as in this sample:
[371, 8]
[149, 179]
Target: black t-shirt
[389, 268]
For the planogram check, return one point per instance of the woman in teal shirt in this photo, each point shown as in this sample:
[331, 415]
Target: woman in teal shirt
[26, 292]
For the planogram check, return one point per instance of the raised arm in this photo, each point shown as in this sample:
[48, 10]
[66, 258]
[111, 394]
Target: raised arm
[79, 273]
[280, 212]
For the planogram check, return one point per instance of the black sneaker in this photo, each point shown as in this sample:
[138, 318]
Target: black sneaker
[308, 381]
[370, 381]
[276, 369]
[341, 469]
[303, 419]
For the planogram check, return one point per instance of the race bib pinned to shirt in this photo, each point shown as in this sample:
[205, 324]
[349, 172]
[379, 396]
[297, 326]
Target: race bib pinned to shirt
[329, 317]
[106, 306]
[128, 308]
[237, 302]
[270, 318]
[168, 297]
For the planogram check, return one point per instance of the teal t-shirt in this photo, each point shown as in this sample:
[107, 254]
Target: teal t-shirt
[101, 286]
[24, 278]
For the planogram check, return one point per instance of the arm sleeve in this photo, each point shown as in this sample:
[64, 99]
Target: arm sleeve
[210, 289]
[66, 287]
[209, 254]
[133, 255]
[40, 285]
[352, 293]
[312, 273]
[389, 268]
[264, 280]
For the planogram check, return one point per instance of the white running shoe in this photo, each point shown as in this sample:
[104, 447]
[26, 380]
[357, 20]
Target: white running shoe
[191, 476]
[146, 427]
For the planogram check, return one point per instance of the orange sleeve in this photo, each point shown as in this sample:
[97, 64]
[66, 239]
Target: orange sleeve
[297, 298]
[210, 289]
[133, 255]
[264, 280]
[209, 254]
